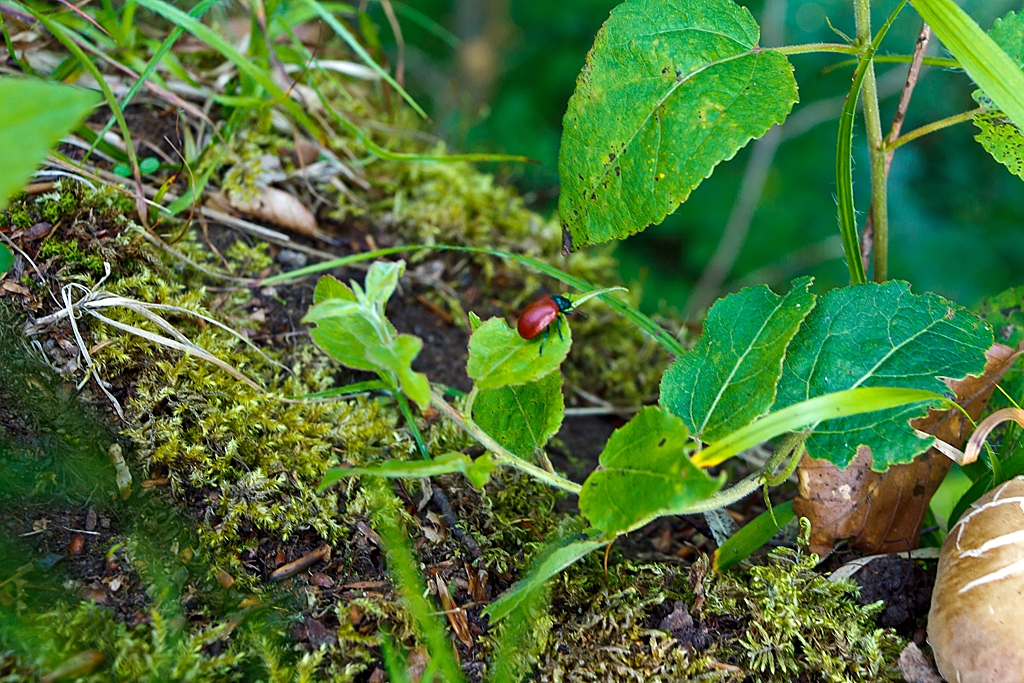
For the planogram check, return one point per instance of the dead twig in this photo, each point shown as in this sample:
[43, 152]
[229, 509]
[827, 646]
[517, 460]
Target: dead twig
[303, 563]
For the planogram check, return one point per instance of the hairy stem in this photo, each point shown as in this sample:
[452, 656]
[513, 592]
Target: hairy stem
[741, 490]
[867, 238]
[876, 148]
[817, 47]
[932, 127]
[501, 455]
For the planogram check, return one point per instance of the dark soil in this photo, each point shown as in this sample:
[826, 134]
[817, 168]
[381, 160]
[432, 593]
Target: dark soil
[904, 585]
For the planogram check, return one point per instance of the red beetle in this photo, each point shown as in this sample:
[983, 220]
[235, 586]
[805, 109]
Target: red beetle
[538, 316]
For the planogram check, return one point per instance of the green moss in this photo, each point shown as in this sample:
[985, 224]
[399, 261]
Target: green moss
[245, 464]
[58, 204]
[248, 259]
[163, 650]
[798, 622]
[18, 216]
[69, 255]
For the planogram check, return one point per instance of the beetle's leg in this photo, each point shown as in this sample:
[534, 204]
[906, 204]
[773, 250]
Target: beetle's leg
[560, 337]
[547, 331]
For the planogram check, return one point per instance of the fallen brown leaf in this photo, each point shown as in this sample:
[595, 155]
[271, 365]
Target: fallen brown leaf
[280, 208]
[883, 512]
[456, 615]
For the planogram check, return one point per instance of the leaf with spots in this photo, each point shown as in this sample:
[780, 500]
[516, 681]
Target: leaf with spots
[728, 379]
[670, 89]
[875, 335]
[998, 135]
[645, 472]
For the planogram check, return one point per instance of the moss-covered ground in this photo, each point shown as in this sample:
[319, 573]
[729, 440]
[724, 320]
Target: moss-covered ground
[185, 574]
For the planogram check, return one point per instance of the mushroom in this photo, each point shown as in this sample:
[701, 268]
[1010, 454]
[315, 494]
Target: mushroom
[975, 622]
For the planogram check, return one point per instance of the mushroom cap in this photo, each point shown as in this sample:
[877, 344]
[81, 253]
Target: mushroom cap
[976, 622]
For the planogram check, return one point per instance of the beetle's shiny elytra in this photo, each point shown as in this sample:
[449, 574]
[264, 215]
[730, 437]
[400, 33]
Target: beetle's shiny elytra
[538, 316]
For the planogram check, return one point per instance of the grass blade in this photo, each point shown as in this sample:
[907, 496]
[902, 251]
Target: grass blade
[983, 60]
[811, 412]
[61, 35]
[558, 555]
[755, 534]
[347, 36]
[844, 159]
[244, 64]
[402, 566]
[198, 11]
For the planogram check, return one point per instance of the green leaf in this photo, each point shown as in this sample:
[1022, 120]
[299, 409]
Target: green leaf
[669, 90]
[6, 259]
[983, 60]
[728, 379]
[479, 473]
[645, 473]
[149, 164]
[499, 357]
[382, 280]
[397, 356]
[879, 335]
[1008, 33]
[36, 115]
[522, 418]
[341, 337]
[1005, 313]
[352, 328]
[751, 537]
[553, 559]
[330, 287]
[1002, 139]
[998, 135]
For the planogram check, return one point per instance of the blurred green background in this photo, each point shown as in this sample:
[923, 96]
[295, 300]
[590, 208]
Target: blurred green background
[496, 76]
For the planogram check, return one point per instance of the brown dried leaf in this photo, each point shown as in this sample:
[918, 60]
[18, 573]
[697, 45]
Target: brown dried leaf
[280, 208]
[456, 615]
[883, 512]
[477, 584]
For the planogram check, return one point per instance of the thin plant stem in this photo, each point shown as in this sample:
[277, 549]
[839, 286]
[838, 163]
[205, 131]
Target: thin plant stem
[867, 238]
[792, 448]
[923, 38]
[933, 127]
[501, 455]
[876, 147]
[729, 496]
[817, 47]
